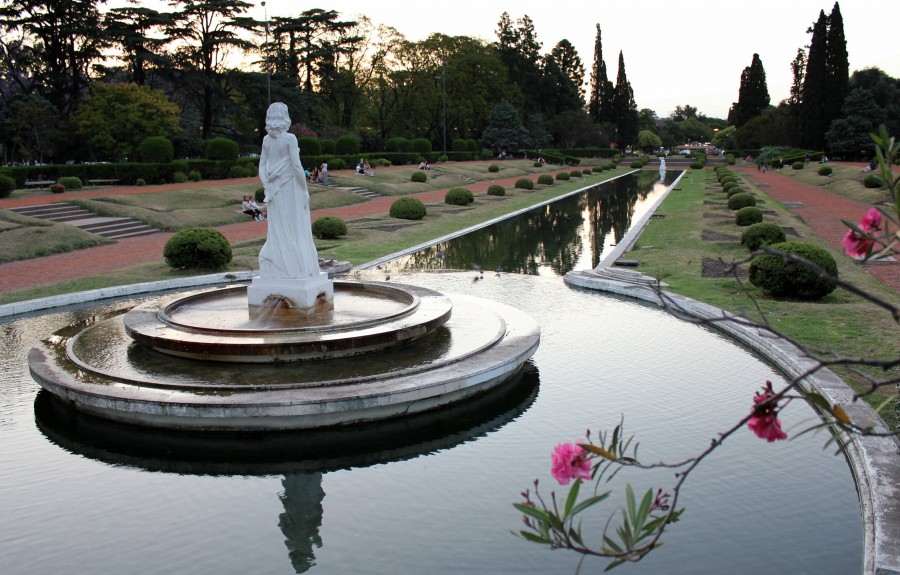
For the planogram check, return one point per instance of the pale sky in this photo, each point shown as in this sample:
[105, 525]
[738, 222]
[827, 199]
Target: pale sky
[675, 53]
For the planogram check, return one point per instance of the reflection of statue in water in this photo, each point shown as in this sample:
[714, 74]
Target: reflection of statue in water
[662, 169]
[302, 517]
[288, 263]
[289, 252]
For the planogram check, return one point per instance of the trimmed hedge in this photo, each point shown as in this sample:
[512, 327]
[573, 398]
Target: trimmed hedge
[220, 149]
[730, 186]
[742, 200]
[525, 184]
[562, 176]
[545, 180]
[197, 248]
[496, 190]
[797, 166]
[493, 168]
[748, 216]
[459, 197]
[329, 227]
[779, 277]
[70, 182]
[408, 209]
[7, 185]
[762, 234]
[156, 150]
[825, 171]
[310, 146]
[575, 173]
[419, 177]
[872, 181]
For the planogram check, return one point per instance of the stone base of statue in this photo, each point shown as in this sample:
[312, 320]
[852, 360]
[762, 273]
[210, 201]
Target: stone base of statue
[291, 297]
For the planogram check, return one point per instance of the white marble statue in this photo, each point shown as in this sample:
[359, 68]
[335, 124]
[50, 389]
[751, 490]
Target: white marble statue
[289, 251]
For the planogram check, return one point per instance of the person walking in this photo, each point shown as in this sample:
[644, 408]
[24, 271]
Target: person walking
[323, 170]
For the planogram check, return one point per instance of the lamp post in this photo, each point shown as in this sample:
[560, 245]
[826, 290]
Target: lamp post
[444, 94]
[266, 57]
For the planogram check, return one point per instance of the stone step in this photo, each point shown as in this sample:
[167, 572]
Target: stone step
[107, 227]
[55, 212]
[365, 192]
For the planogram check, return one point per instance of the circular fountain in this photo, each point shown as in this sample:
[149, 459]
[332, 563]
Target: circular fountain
[203, 360]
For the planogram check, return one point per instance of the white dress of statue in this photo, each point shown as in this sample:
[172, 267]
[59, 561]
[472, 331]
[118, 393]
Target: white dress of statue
[289, 253]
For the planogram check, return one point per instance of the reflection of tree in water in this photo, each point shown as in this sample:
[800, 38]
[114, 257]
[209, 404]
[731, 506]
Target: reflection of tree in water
[302, 499]
[550, 235]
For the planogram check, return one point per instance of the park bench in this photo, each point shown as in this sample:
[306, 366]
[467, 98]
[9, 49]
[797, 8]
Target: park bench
[39, 183]
[103, 182]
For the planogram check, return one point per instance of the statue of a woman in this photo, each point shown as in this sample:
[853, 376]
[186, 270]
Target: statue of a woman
[289, 251]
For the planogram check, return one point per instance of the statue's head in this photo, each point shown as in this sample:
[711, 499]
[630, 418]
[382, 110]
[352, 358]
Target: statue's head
[277, 118]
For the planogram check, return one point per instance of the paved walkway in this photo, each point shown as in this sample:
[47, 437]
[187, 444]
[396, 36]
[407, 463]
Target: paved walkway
[821, 210]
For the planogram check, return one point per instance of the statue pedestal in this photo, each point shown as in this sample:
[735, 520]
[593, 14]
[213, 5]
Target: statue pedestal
[302, 297]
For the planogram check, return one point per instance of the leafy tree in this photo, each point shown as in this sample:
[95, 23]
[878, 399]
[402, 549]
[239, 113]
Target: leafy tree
[862, 116]
[798, 70]
[647, 119]
[648, 141]
[886, 92]
[64, 40]
[505, 129]
[563, 76]
[575, 128]
[520, 51]
[626, 117]
[539, 136]
[695, 130]
[768, 129]
[753, 96]
[682, 113]
[32, 128]
[135, 35]
[599, 84]
[115, 118]
[724, 138]
[204, 30]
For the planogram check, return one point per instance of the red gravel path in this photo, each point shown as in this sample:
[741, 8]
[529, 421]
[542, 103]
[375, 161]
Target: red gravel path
[822, 211]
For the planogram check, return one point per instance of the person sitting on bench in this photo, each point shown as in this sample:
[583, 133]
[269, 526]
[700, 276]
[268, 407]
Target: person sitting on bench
[250, 208]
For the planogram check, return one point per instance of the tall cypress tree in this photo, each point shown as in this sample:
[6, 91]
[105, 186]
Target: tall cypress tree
[753, 96]
[599, 80]
[812, 97]
[837, 68]
[624, 108]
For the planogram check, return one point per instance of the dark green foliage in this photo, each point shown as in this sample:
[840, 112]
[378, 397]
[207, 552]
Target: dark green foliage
[610, 166]
[762, 234]
[398, 144]
[625, 115]
[70, 182]
[753, 96]
[730, 185]
[696, 165]
[545, 180]
[310, 146]
[778, 277]
[181, 177]
[346, 145]
[194, 176]
[575, 173]
[221, 149]
[727, 180]
[459, 197]
[748, 216]
[197, 248]
[496, 190]
[140, 182]
[861, 116]
[7, 185]
[742, 200]
[157, 150]
[328, 146]
[505, 128]
[813, 120]
[729, 159]
[458, 145]
[872, 181]
[408, 209]
[562, 176]
[797, 166]
[419, 176]
[421, 145]
[233, 172]
[586, 171]
[837, 68]
[259, 195]
[472, 145]
[638, 164]
[537, 165]
[525, 183]
[329, 227]
[733, 191]
[493, 168]
[337, 163]
[825, 171]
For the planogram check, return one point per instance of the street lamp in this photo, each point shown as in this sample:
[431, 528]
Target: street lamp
[444, 94]
[268, 70]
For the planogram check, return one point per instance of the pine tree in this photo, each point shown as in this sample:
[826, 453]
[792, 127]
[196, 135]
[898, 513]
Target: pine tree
[753, 96]
[812, 96]
[599, 81]
[837, 68]
[624, 108]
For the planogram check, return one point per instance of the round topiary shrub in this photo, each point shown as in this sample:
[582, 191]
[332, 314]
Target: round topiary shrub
[797, 166]
[545, 180]
[70, 182]
[419, 177]
[7, 185]
[346, 145]
[181, 177]
[233, 172]
[156, 150]
[725, 179]
[259, 195]
[493, 168]
[496, 190]
[575, 173]
[398, 144]
[872, 181]
[140, 182]
[742, 200]
[587, 171]
[762, 234]
[525, 184]
[730, 186]
[748, 216]
[825, 171]
[329, 227]
[221, 149]
[776, 276]
[458, 197]
[57, 188]
[408, 209]
[697, 165]
[734, 191]
[637, 164]
[609, 166]
[194, 176]
[197, 248]
[537, 165]
[421, 145]
[310, 146]
[562, 176]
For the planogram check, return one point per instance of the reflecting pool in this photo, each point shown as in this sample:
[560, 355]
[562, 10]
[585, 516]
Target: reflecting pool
[431, 494]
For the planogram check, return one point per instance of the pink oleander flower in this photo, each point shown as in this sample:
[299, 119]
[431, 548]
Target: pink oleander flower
[570, 462]
[856, 245]
[871, 222]
[764, 421]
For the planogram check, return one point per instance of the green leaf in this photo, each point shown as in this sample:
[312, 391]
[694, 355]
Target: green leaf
[538, 514]
[812, 396]
[614, 564]
[599, 451]
[643, 512]
[572, 498]
[529, 536]
[612, 544]
[588, 502]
